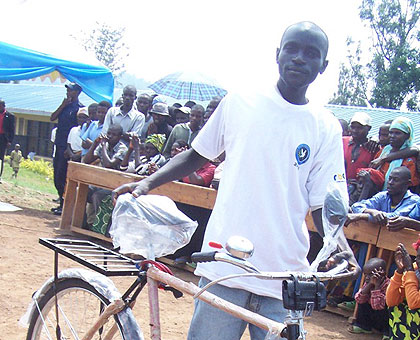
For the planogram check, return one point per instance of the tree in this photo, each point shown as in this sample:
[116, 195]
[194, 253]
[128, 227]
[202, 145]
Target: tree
[107, 44]
[352, 86]
[392, 74]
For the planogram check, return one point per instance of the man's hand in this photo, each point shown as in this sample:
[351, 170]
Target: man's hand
[397, 223]
[376, 163]
[405, 257]
[372, 146]
[379, 217]
[136, 189]
[352, 218]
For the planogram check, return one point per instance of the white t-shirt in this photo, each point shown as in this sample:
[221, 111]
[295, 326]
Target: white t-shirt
[74, 139]
[279, 159]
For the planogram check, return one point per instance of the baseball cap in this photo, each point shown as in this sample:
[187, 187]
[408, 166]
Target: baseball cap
[83, 112]
[74, 87]
[184, 109]
[361, 118]
[160, 109]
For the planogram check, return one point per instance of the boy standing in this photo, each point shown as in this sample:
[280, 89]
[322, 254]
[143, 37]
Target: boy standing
[15, 159]
[372, 311]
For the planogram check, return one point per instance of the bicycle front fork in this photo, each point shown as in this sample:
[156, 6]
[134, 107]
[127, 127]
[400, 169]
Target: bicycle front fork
[294, 326]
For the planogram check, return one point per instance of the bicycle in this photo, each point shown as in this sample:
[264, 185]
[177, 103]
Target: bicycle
[78, 302]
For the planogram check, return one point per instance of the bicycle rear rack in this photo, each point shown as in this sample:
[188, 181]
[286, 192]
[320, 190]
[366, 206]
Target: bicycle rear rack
[93, 256]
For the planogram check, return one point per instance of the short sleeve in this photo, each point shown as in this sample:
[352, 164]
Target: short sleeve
[328, 163]
[209, 142]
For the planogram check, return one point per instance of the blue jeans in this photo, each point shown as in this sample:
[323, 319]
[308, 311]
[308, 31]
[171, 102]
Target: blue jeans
[210, 323]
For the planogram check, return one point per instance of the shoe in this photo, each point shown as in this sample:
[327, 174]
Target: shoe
[56, 200]
[58, 211]
[347, 305]
[358, 330]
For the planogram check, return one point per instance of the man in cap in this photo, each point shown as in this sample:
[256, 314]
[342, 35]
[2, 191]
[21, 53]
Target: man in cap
[7, 132]
[66, 114]
[304, 156]
[356, 153]
[126, 115]
[185, 131]
[160, 114]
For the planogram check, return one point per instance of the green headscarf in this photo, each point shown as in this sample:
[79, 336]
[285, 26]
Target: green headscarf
[405, 125]
[157, 140]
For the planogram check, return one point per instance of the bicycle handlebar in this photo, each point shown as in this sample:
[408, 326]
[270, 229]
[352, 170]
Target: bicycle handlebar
[203, 257]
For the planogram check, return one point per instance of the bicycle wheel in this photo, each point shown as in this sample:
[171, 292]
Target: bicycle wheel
[79, 305]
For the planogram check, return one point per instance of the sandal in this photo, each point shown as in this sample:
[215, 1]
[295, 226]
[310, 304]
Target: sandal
[348, 305]
[358, 330]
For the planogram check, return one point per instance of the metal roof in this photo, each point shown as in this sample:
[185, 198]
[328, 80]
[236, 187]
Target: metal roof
[379, 116]
[38, 99]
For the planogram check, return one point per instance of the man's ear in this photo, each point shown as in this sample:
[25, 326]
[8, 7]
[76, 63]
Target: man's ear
[277, 54]
[324, 66]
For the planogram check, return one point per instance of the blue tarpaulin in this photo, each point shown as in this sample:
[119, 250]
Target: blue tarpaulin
[18, 63]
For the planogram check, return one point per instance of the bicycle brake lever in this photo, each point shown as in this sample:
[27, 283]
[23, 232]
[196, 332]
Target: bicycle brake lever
[176, 293]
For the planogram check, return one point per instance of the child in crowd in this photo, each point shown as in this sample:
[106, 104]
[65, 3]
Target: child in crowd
[372, 311]
[134, 155]
[15, 159]
[74, 140]
[403, 295]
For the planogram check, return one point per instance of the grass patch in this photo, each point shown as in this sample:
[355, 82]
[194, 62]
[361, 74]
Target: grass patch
[28, 179]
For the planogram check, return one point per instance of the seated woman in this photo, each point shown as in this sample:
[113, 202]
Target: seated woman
[401, 140]
[153, 159]
[403, 295]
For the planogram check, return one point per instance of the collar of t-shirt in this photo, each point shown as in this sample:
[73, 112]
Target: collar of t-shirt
[129, 113]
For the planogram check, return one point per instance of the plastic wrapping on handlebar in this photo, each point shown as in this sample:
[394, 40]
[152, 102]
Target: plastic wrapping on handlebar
[203, 257]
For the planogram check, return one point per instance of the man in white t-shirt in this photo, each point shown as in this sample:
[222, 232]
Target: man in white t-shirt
[296, 151]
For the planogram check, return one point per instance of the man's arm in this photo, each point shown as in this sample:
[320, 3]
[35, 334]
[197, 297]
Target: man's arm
[57, 112]
[90, 157]
[179, 166]
[109, 162]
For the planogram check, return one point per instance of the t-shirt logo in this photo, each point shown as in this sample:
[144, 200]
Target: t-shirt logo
[302, 153]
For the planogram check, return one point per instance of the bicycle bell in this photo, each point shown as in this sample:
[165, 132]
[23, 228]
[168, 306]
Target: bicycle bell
[240, 247]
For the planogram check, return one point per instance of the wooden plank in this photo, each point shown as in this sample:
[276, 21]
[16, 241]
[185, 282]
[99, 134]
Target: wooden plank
[91, 233]
[359, 231]
[80, 205]
[390, 239]
[69, 202]
[110, 179]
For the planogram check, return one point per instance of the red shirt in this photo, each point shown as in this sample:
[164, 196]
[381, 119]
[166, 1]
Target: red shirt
[206, 172]
[362, 161]
[1, 122]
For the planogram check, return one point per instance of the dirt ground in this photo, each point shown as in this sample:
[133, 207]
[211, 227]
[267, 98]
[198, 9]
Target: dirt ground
[25, 265]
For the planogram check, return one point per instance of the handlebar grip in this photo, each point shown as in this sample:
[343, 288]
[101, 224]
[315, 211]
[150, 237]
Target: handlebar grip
[203, 256]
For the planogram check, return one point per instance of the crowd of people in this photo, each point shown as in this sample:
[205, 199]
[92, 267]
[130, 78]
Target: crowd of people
[141, 133]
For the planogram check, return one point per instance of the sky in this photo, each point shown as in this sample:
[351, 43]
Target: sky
[232, 41]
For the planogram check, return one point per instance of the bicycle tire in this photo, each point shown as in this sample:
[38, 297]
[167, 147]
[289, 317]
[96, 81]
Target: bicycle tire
[79, 305]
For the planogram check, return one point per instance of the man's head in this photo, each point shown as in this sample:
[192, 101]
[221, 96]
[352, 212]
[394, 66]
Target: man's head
[129, 96]
[82, 116]
[196, 117]
[92, 109]
[114, 134]
[372, 264]
[190, 104]
[2, 105]
[182, 114]
[17, 147]
[103, 108]
[73, 91]
[384, 134]
[399, 181]
[160, 113]
[301, 56]
[360, 125]
[144, 103]
[211, 107]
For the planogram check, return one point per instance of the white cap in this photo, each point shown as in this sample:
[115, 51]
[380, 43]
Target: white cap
[361, 118]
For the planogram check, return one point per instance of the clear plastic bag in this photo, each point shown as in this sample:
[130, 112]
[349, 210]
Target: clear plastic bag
[150, 226]
[334, 215]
